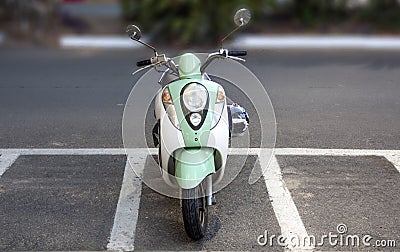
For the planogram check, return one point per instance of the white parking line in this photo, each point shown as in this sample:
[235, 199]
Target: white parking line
[232, 151]
[333, 152]
[394, 159]
[6, 160]
[79, 151]
[124, 227]
[284, 207]
[391, 155]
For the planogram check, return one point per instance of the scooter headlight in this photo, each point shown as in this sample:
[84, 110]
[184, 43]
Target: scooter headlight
[195, 97]
[170, 108]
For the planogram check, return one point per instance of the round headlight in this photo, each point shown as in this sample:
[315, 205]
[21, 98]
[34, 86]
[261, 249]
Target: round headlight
[195, 97]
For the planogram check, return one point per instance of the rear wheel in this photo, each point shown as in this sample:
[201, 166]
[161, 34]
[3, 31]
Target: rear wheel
[195, 212]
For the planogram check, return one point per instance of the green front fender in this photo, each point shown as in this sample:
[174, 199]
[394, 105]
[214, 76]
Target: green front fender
[193, 165]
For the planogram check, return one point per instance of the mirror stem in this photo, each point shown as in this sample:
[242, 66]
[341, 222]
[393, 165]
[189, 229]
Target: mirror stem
[229, 34]
[149, 46]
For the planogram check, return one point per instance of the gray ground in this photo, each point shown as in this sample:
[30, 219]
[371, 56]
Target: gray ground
[70, 99]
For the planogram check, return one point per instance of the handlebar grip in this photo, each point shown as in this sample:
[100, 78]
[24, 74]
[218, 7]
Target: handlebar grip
[143, 63]
[237, 53]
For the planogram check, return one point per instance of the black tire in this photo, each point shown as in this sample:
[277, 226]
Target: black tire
[155, 132]
[195, 212]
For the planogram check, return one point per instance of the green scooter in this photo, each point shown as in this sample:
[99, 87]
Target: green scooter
[194, 125]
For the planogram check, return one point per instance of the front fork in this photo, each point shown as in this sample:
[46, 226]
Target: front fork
[209, 196]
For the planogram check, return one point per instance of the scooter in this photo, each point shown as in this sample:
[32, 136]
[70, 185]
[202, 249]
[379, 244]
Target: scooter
[194, 126]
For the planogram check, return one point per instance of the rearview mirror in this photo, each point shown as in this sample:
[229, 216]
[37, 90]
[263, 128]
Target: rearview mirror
[242, 17]
[133, 32]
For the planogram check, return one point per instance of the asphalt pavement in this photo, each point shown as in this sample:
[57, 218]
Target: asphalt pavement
[338, 99]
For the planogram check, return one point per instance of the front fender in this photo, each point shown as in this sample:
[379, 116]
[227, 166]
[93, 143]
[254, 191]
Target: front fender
[192, 165]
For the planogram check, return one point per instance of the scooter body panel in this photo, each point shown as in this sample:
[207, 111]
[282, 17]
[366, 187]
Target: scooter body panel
[193, 165]
[183, 144]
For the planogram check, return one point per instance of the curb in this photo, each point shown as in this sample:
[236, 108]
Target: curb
[251, 42]
[93, 41]
[318, 42]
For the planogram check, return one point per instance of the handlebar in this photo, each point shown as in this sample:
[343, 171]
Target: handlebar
[143, 63]
[162, 60]
[158, 60]
[223, 53]
[237, 53]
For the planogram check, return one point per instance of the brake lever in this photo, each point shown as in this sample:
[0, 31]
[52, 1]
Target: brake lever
[143, 68]
[236, 58]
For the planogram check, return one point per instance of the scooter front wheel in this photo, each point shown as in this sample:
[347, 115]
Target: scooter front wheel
[195, 212]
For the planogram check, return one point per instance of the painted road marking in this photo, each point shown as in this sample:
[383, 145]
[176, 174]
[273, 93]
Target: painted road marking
[6, 160]
[124, 228]
[394, 159]
[333, 152]
[281, 200]
[232, 151]
[82, 151]
[391, 155]
[126, 216]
